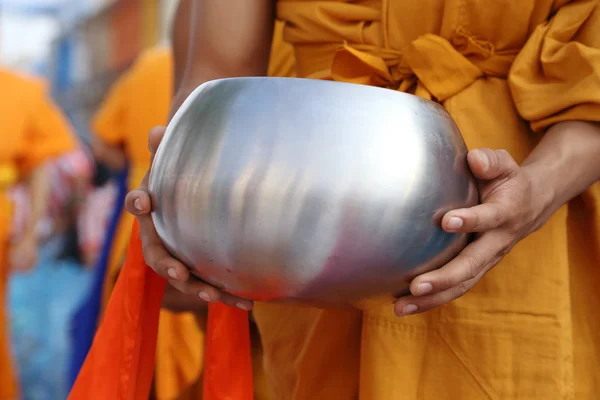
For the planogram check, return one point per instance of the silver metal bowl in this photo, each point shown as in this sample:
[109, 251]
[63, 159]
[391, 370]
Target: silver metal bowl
[314, 191]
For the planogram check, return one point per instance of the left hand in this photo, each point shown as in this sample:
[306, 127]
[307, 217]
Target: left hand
[23, 254]
[513, 206]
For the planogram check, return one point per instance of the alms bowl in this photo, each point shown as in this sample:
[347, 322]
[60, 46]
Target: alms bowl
[313, 191]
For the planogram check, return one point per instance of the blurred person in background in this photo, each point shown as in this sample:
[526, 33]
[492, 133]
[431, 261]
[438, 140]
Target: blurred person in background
[33, 131]
[59, 280]
[95, 214]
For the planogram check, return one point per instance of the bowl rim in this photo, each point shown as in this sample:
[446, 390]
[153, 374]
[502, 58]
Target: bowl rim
[213, 82]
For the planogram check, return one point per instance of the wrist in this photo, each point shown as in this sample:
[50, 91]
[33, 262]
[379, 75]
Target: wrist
[545, 190]
[565, 161]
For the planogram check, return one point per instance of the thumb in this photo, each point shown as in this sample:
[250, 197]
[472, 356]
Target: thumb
[155, 137]
[488, 164]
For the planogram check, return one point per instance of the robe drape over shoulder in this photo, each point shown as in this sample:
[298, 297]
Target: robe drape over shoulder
[33, 129]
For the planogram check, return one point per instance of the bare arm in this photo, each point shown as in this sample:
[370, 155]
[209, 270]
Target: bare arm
[23, 254]
[39, 188]
[112, 156]
[565, 162]
[215, 39]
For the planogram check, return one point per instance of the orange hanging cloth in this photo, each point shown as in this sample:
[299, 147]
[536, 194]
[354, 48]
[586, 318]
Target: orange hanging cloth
[120, 364]
[227, 359]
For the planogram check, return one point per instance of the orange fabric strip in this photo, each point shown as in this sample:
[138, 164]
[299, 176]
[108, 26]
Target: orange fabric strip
[228, 362]
[120, 364]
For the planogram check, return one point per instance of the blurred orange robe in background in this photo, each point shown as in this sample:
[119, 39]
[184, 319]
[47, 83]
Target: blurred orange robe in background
[32, 129]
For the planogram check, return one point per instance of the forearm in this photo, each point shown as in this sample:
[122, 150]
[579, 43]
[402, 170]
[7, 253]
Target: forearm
[111, 155]
[38, 189]
[565, 162]
[213, 40]
[114, 158]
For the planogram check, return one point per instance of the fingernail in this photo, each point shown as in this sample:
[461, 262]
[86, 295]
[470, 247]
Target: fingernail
[242, 306]
[137, 203]
[424, 288]
[172, 273]
[204, 296]
[483, 159]
[409, 309]
[455, 223]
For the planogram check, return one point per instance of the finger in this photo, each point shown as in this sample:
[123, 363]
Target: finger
[413, 305]
[155, 137]
[477, 258]
[480, 218]
[159, 259]
[156, 255]
[488, 164]
[206, 292]
[138, 203]
[235, 301]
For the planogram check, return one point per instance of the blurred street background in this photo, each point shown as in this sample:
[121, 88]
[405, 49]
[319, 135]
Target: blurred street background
[80, 46]
[78, 144]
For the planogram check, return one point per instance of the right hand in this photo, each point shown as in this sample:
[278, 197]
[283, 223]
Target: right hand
[157, 256]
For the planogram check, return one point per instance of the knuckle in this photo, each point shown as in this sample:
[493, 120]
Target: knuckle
[502, 155]
[506, 247]
[461, 289]
[447, 282]
[229, 300]
[504, 250]
[497, 217]
[148, 253]
[476, 221]
[495, 158]
[473, 266]
[190, 289]
[161, 264]
[504, 160]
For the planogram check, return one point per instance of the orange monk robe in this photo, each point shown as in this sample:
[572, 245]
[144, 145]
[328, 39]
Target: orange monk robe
[505, 71]
[32, 130]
